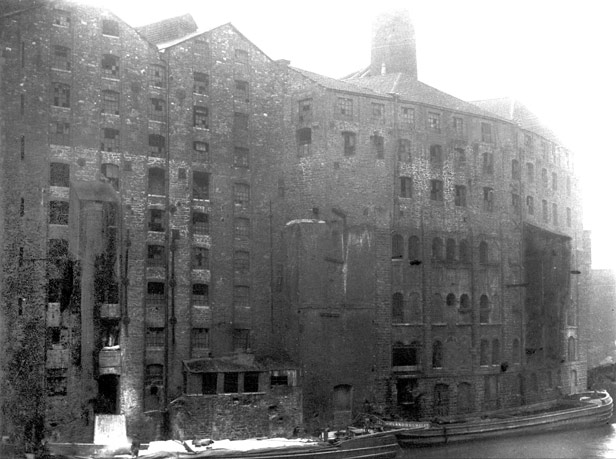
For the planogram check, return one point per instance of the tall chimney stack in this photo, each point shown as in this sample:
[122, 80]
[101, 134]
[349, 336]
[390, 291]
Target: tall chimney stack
[393, 44]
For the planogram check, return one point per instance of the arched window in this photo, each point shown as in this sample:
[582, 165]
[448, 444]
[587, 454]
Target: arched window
[465, 309]
[483, 252]
[437, 309]
[415, 308]
[515, 351]
[484, 310]
[414, 249]
[437, 248]
[451, 300]
[463, 251]
[495, 352]
[397, 308]
[484, 354]
[437, 354]
[450, 249]
[571, 350]
[405, 355]
[397, 246]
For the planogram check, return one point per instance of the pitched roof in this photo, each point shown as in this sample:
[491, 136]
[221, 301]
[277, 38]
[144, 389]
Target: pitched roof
[338, 85]
[168, 29]
[514, 110]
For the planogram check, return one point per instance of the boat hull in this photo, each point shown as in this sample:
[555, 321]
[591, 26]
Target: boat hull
[578, 414]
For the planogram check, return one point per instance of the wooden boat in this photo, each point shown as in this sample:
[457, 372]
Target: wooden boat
[580, 410]
[380, 445]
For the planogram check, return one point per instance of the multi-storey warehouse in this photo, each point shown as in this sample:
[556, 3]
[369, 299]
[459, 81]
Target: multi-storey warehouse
[210, 242]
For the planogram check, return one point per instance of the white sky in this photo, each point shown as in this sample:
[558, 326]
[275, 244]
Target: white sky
[557, 57]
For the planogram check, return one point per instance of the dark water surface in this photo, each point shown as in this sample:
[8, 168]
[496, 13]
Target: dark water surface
[597, 442]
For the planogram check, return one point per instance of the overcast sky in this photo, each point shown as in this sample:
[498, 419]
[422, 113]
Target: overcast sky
[557, 57]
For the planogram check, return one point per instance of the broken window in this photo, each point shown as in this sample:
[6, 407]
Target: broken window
[407, 117]
[156, 255]
[251, 381]
[242, 228]
[111, 102]
[60, 133]
[202, 149]
[59, 174]
[349, 143]
[436, 155]
[200, 338]
[436, 190]
[110, 66]
[200, 295]
[406, 187]
[304, 139]
[201, 258]
[157, 75]
[486, 132]
[450, 300]
[153, 384]
[241, 194]
[437, 354]
[61, 57]
[157, 110]
[378, 146]
[201, 185]
[404, 150]
[155, 295]
[155, 220]
[155, 337]
[488, 199]
[61, 18]
[201, 83]
[156, 145]
[111, 28]
[345, 108]
[56, 381]
[460, 198]
[156, 181]
[209, 383]
[58, 212]
[404, 355]
[305, 110]
[241, 157]
[200, 223]
[397, 308]
[110, 139]
[434, 121]
[112, 173]
[61, 95]
[241, 90]
[241, 339]
[201, 117]
[230, 383]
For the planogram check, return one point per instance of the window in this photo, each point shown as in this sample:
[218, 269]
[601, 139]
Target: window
[110, 66]
[437, 248]
[436, 190]
[528, 142]
[437, 354]
[156, 255]
[515, 351]
[530, 172]
[404, 150]
[200, 338]
[251, 381]
[515, 202]
[554, 181]
[110, 140]
[571, 349]
[241, 56]
[486, 132]
[111, 28]
[156, 181]
[242, 228]
[484, 310]
[304, 139]
[155, 220]
[544, 150]
[515, 169]
[460, 158]
[488, 163]
[200, 294]
[201, 185]
[464, 255]
[155, 337]
[241, 90]
[240, 121]
[555, 213]
[241, 194]
[434, 121]
[157, 75]
[201, 83]
[488, 199]
[407, 117]
[544, 208]
[378, 110]
[450, 249]
[406, 187]
[349, 143]
[345, 108]
[397, 308]
[201, 117]
[200, 223]
[241, 157]
[153, 383]
[241, 262]
[59, 174]
[414, 248]
[241, 339]
[437, 309]
[61, 58]
[156, 145]
[61, 95]
[484, 352]
[495, 352]
[569, 217]
[112, 173]
[61, 18]
[201, 258]
[483, 252]
[458, 125]
[202, 149]
[111, 102]
[56, 381]
[450, 300]
[544, 177]
[530, 205]
[157, 109]
[155, 295]
[305, 110]
[415, 308]
[397, 246]
[405, 354]
[60, 133]
[58, 212]
[465, 308]
[460, 198]
[209, 383]
[378, 146]
[201, 46]
[436, 155]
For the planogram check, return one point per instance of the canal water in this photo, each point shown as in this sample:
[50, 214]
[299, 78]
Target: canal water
[597, 442]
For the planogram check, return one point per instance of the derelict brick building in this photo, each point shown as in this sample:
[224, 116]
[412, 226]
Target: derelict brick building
[189, 223]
